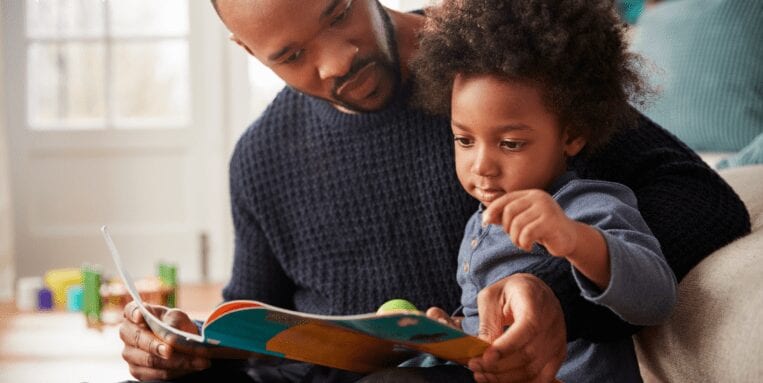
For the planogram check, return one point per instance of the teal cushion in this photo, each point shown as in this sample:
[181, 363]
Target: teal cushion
[709, 70]
[750, 155]
[630, 10]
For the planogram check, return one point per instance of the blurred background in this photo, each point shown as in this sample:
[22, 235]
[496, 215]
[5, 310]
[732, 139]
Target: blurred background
[121, 113]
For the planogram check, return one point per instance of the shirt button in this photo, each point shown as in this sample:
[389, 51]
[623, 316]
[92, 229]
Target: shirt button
[466, 267]
[474, 242]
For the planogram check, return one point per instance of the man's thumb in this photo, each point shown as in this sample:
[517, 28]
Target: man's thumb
[492, 323]
[495, 322]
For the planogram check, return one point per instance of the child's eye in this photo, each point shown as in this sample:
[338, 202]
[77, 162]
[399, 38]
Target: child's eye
[512, 145]
[463, 141]
[294, 56]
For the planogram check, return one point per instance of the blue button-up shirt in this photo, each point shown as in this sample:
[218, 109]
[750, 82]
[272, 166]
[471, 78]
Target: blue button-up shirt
[641, 288]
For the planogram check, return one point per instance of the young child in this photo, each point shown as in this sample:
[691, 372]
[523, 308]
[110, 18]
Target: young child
[532, 86]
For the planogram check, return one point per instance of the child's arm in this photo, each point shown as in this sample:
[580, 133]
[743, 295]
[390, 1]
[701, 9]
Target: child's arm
[533, 216]
[640, 287]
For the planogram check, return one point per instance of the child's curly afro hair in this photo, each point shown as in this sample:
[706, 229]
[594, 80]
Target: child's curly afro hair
[574, 50]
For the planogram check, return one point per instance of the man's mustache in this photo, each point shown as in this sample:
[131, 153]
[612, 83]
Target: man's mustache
[356, 66]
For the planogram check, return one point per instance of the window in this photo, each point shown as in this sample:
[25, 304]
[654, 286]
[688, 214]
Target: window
[107, 64]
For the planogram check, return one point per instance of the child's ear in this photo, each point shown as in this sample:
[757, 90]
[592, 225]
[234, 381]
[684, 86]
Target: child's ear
[573, 145]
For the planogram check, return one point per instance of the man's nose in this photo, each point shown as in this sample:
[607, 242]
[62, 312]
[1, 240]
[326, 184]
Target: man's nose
[336, 60]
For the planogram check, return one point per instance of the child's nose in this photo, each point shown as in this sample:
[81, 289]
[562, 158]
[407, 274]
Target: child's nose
[484, 164]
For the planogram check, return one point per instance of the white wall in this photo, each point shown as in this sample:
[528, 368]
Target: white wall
[6, 214]
[407, 5]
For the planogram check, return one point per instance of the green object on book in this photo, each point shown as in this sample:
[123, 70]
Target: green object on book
[168, 278]
[396, 305]
[91, 294]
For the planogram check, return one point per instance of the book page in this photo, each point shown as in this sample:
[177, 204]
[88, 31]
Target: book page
[175, 337]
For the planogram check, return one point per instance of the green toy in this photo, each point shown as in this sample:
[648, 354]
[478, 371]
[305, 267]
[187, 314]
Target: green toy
[168, 278]
[91, 294]
[396, 305]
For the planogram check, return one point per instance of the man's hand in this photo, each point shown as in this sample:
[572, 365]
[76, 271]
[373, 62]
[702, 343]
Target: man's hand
[149, 357]
[441, 316]
[531, 216]
[534, 346]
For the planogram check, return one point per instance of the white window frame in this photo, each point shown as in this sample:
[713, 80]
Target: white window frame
[108, 41]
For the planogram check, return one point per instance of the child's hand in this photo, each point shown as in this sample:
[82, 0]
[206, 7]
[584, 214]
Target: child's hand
[530, 216]
[441, 316]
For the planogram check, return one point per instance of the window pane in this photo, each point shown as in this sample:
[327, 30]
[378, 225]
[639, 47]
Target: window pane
[64, 18]
[148, 17]
[65, 84]
[151, 82]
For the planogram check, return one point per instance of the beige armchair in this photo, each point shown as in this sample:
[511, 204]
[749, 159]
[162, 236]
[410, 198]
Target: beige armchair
[716, 331]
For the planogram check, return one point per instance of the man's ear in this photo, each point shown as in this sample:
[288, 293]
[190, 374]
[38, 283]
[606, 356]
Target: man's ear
[573, 145]
[240, 43]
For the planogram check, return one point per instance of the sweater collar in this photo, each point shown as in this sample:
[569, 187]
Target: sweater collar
[331, 115]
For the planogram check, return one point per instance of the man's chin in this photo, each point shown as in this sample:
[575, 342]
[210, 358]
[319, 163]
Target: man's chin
[370, 104]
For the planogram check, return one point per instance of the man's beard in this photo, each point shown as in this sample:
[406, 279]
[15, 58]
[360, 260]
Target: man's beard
[389, 66]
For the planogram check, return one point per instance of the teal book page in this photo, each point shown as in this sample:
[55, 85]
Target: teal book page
[360, 343]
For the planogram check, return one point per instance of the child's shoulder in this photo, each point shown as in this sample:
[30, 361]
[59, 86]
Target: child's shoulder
[591, 193]
[602, 204]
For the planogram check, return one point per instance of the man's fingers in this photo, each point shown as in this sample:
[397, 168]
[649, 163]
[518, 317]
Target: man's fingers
[534, 347]
[508, 355]
[179, 320]
[134, 336]
[531, 372]
[548, 374]
[506, 359]
[140, 358]
[522, 330]
[129, 333]
[490, 302]
[132, 313]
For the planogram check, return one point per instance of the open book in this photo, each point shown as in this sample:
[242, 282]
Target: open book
[359, 343]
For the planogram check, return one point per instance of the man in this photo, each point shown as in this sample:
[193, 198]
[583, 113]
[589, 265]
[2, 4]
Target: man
[337, 209]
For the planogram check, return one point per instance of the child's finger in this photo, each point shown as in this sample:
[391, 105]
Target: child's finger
[513, 210]
[441, 316]
[493, 213]
[529, 234]
[520, 222]
[437, 313]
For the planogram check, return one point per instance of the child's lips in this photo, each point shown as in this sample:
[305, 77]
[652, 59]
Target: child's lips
[488, 195]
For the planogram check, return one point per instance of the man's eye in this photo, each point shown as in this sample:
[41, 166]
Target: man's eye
[294, 56]
[342, 16]
[339, 18]
[512, 145]
[463, 141]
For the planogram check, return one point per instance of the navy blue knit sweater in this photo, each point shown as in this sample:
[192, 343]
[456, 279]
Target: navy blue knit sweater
[337, 213]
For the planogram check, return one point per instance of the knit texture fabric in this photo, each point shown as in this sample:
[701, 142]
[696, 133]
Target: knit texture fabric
[708, 56]
[337, 213]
